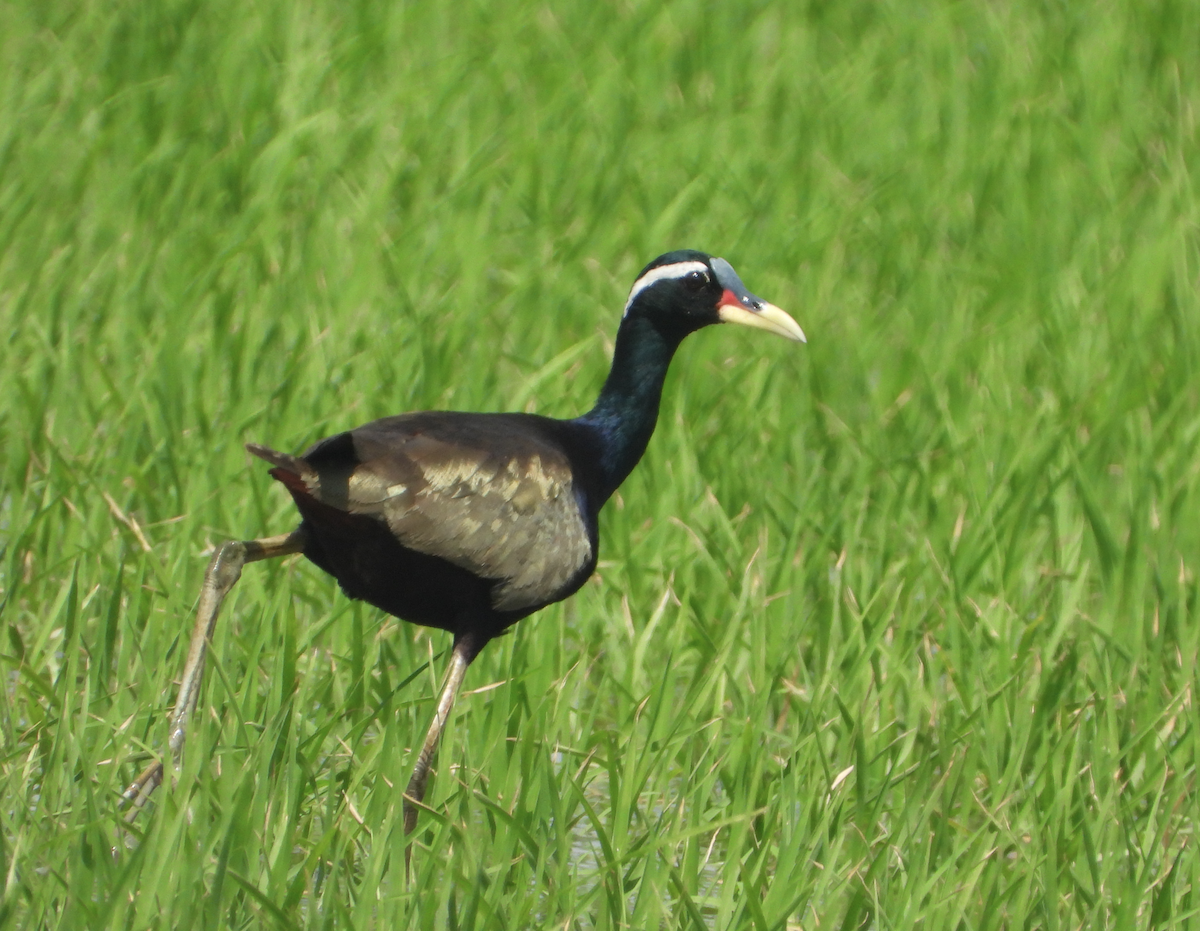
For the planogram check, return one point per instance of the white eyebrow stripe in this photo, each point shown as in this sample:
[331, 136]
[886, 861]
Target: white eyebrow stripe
[676, 270]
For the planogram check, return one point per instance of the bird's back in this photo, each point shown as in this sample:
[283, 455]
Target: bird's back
[440, 516]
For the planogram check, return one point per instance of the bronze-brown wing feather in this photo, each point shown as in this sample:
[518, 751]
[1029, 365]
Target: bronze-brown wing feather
[497, 501]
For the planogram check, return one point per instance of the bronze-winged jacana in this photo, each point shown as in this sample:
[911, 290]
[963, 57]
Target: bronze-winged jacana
[471, 522]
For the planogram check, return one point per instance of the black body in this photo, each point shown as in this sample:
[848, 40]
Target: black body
[349, 535]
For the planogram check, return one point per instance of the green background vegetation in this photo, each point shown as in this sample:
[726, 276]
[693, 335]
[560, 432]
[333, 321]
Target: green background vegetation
[898, 629]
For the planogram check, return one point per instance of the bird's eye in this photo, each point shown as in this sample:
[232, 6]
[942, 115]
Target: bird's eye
[695, 280]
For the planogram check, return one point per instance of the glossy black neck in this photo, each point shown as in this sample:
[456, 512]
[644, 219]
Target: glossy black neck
[627, 409]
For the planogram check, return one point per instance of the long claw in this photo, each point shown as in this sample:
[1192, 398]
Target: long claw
[464, 651]
[140, 789]
[224, 569]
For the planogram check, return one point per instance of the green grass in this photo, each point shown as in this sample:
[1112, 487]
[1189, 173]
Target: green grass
[899, 629]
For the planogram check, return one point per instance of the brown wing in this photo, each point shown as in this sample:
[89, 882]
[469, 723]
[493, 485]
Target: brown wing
[484, 492]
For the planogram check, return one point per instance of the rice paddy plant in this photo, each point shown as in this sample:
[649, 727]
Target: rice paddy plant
[895, 630]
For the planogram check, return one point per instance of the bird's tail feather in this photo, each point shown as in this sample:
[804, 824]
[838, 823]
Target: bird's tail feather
[292, 464]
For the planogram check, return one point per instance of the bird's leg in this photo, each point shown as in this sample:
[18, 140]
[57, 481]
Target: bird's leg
[465, 650]
[224, 569]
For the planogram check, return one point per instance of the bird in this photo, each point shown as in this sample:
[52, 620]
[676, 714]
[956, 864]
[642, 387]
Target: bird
[470, 522]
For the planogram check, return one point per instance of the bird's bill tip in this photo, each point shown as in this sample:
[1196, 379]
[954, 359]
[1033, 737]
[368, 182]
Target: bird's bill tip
[765, 317]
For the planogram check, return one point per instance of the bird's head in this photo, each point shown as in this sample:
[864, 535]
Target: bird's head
[685, 290]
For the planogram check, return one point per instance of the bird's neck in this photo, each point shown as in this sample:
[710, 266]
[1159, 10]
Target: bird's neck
[627, 409]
